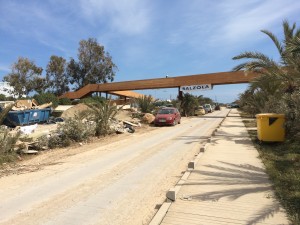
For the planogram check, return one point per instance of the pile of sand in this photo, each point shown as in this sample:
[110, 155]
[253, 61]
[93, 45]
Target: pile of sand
[70, 113]
[124, 115]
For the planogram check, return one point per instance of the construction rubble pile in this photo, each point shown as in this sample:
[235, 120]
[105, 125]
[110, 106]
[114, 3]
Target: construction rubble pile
[32, 134]
[29, 104]
[34, 137]
[124, 126]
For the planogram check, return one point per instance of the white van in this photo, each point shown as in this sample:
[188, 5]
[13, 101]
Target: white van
[208, 108]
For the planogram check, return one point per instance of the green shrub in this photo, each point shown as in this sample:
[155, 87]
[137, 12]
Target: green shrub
[46, 98]
[145, 104]
[76, 129]
[7, 143]
[2, 97]
[188, 104]
[101, 114]
[58, 141]
[92, 100]
[64, 101]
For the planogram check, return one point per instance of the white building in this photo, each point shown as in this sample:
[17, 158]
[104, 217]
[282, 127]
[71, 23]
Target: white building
[6, 89]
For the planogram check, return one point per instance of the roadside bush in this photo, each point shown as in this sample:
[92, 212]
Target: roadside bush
[2, 97]
[76, 129]
[64, 101]
[58, 141]
[92, 100]
[46, 98]
[101, 115]
[290, 106]
[188, 104]
[7, 143]
[7, 140]
[145, 104]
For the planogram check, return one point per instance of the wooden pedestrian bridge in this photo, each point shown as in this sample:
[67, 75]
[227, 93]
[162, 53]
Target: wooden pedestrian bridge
[124, 89]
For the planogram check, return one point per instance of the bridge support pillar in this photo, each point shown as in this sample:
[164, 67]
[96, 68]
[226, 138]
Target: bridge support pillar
[180, 94]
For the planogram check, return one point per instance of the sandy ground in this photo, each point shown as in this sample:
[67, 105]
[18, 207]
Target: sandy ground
[115, 180]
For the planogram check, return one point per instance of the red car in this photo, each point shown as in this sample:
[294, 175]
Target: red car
[167, 116]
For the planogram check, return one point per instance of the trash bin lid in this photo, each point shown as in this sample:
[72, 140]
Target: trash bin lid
[269, 115]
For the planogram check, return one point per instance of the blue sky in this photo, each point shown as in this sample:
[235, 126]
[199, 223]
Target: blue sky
[146, 38]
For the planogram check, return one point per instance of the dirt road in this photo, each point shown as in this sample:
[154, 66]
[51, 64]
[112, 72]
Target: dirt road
[113, 183]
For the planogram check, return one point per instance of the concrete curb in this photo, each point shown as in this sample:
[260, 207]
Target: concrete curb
[156, 220]
[172, 193]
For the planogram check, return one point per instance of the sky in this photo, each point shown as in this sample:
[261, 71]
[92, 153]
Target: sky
[146, 38]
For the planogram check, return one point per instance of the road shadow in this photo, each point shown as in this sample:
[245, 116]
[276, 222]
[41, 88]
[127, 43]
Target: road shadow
[221, 117]
[238, 180]
[192, 139]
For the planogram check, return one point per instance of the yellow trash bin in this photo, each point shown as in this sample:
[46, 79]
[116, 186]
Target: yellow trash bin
[270, 127]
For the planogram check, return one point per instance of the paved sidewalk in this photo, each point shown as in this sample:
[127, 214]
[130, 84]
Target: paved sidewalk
[228, 184]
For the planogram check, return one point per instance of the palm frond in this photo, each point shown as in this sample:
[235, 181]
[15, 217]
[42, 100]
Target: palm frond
[294, 45]
[288, 30]
[259, 63]
[240, 67]
[254, 55]
[275, 40]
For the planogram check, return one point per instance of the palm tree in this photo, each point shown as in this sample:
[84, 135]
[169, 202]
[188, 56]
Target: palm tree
[278, 87]
[188, 104]
[287, 70]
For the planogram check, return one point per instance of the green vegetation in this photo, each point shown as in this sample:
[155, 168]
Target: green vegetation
[94, 65]
[46, 98]
[76, 129]
[85, 125]
[7, 143]
[25, 77]
[56, 75]
[101, 114]
[64, 101]
[92, 100]
[7, 140]
[282, 162]
[4, 98]
[145, 104]
[190, 102]
[277, 90]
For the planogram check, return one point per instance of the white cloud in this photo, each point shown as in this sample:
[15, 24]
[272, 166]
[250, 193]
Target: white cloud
[37, 22]
[244, 21]
[229, 22]
[127, 17]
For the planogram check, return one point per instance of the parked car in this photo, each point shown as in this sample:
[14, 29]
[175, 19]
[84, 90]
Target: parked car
[167, 116]
[217, 107]
[199, 111]
[208, 108]
[232, 105]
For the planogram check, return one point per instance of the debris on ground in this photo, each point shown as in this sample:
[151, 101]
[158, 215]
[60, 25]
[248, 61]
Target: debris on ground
[148, 118]
[28, 129]
[34, 137]
[27, 104]
[132, 124]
